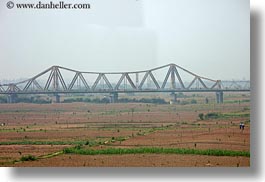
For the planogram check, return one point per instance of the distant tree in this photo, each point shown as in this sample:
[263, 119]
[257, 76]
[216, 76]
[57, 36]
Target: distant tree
[211, 115]
[180, 95]
[201, 116]
[193, 101]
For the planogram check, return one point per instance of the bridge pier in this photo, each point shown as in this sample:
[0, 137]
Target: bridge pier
[57, 98]
[173, 98]
[219, 97]
[12, 98]
[113, 97]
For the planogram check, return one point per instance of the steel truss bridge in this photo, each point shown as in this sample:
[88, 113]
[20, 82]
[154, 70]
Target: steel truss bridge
[169, 78]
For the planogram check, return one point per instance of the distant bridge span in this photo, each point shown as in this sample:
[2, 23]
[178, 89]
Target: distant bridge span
[169, 78]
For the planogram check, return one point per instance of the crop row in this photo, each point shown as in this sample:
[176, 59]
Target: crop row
[154, 150]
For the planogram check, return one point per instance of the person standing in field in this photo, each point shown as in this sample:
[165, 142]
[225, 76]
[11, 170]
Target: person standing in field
[241, 126]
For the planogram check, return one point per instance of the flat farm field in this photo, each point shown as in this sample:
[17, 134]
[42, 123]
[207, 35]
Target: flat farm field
[126, 134]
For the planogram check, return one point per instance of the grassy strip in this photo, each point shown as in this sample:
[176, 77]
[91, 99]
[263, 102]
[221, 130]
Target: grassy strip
[236, 101]
[84, 142]
[50, 155]
[34, 158]
[28, 142]
[76, 143]
[235, 115]
[213, 152]
[214, 115]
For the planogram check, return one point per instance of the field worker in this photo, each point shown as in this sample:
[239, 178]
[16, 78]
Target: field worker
[243, 126]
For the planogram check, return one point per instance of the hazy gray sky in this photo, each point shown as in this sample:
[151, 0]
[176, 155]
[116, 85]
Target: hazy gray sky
[208, 37]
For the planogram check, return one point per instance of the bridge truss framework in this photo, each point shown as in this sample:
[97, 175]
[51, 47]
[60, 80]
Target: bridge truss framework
[52, 81]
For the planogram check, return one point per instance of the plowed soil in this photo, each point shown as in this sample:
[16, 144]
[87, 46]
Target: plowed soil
[140, 160]
[141, 125]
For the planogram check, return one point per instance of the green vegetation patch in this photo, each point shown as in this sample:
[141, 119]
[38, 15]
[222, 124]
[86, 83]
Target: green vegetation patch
[236, 115]
[214, 115]
[153, 150]
[236, 101]
[28, 158]
[28, 142]
[50, 155]
[121, 100]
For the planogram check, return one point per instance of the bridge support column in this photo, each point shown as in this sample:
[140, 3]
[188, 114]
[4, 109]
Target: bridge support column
[219, 97]
[57, 98]
[113, 97]
[173, 99]
[12, 98]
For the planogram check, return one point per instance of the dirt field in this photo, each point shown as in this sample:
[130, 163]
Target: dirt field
[43, 129]
[140, 160]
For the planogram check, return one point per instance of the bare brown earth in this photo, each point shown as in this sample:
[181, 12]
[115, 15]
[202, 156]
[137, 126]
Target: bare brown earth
[140, 160]
[229, 139]
[13, 152]
[140, 124]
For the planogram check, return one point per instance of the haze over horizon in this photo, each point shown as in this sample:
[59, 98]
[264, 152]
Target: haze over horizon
[209, 37]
